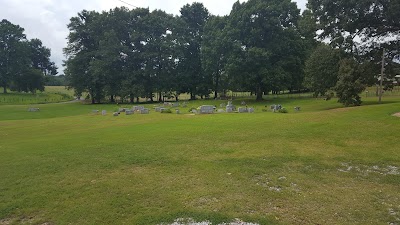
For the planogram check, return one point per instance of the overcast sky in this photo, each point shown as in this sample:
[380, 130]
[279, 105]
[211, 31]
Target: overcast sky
[48, 19]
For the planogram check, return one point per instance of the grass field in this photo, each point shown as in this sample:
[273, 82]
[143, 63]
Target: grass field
[51, 94]
[323, 165]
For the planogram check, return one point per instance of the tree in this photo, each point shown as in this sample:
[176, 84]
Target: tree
[214, 53]
[13, 52]
[81, 51]
[40, 57]
[268, 50]
[322, 70]
[195, 17]
[363, 28]
[350, 83]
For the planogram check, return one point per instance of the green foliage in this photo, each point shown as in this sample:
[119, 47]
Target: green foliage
[267, 50]
[321, 72]
[166, 111]
[23, 64]
[350, 83]
[283, 110]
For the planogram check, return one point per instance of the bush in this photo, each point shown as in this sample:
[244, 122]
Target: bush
[166, 111]
[283, 110]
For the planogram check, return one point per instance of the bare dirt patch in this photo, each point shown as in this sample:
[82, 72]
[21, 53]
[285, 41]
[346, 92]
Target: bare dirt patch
[396, 114]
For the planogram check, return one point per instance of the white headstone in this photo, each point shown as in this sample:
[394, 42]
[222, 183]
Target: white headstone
[103, 112]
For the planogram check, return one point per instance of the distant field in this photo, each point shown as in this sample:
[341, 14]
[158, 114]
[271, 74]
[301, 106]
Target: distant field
[50, 95]
[323, 165]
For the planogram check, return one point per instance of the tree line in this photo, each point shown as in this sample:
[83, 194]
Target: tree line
[334, 46]
[24, 64]
[135, 53]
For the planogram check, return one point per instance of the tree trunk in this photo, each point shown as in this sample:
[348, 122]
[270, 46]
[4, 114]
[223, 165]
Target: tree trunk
[382, 73]
[259, 94]
[160, 99]
[131, 98]
[151, 97]
[112, 98]
[177, 98]
[137, 100]
[192, 96]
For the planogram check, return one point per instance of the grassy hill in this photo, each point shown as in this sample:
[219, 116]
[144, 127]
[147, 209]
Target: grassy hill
[322, 165]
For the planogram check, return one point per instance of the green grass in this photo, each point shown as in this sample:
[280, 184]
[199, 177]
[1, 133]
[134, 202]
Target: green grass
[51, 94]
[64, 165]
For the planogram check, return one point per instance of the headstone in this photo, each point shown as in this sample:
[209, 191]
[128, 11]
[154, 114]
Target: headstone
[95, 111]
[177, 111]
[116, 114]
[157, 109]
[206, 109]
[121, 110]
[175, 105]
[242, 110]
[137, 108]
[103, 112]
[250, 110]
[222, 105]
[297, 108]
[33, 110]
[129, 112]
[273, 107]
[144, 111]
[163, 109]
[221, 111]
[230, 107]
[243, 103]
[194, 111]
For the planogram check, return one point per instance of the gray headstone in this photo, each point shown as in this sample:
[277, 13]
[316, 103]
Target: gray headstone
[250, 110]
[115, 114]
[144, 111]
[242, 110]
[103, 112]
[33, 110]
[129, 112]
[206, 109]
[177, 111]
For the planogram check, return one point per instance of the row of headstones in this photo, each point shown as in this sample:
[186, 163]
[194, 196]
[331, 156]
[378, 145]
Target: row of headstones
[278, 107]
[173, 104]
[127, 111]
[230, 108]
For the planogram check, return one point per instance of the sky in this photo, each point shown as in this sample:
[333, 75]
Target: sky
[47, 19]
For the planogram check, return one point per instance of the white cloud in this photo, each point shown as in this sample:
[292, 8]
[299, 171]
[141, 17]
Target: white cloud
[48, 19]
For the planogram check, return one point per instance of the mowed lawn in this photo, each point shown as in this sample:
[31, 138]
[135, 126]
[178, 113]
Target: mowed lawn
[322, 165]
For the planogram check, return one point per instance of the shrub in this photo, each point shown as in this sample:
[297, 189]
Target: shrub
[166, 111]
[283, 110]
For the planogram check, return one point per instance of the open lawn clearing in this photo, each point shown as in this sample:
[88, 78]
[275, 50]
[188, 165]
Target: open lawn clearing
[319, 166]
[50, 95]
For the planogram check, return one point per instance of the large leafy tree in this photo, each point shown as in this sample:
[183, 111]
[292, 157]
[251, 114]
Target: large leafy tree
[23, 64]
[40, 57]
[363, 28]
[321, 72]
[214, 53]
[268, 49]
[194, 17]
[83, 43]
[13, 52]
